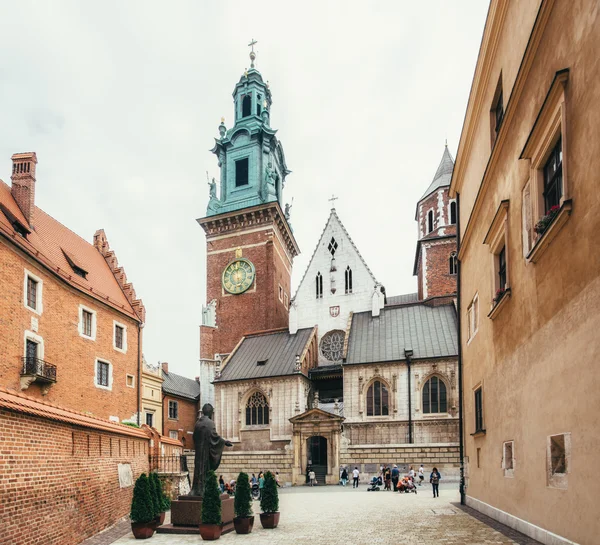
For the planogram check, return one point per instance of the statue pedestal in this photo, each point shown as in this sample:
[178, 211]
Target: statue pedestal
[186, 515]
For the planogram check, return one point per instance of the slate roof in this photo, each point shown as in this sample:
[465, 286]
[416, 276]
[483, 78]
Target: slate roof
[278, 349]
[402, 299]
[179, 386]
[430, 331]
[443, 174]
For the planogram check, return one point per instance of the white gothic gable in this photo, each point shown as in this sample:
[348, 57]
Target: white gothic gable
[331, 309]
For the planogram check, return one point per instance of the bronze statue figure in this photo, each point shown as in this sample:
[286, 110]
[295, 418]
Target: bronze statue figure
[209, 448]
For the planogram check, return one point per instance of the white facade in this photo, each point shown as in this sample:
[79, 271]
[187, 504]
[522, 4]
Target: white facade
[331, 310]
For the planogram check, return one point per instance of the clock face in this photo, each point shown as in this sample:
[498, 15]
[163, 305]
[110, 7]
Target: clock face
[238, 276]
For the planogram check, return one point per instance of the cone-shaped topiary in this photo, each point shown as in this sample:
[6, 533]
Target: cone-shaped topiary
[269, 503]
[243, 496]
[211, 501]
[156, 493]
[142, 506]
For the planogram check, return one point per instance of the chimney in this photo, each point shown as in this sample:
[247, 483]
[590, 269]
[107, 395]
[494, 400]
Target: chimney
[23, 183]
[165, 367]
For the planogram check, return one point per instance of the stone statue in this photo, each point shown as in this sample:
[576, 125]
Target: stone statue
[288, 208]
[209, 448]
[212, 189]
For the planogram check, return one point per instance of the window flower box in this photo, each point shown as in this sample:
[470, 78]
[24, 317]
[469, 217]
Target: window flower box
[542, 225]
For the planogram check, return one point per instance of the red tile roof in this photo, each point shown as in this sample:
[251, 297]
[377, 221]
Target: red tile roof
[17, 402]
[48, 242]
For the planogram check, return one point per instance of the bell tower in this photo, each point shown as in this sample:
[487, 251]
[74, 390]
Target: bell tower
[249, 242]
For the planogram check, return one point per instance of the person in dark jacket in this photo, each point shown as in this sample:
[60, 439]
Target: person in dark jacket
[434, 479]
[395, 476]
[344, 477]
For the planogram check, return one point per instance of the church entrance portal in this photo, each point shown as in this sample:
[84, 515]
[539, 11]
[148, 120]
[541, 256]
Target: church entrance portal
[317, 457]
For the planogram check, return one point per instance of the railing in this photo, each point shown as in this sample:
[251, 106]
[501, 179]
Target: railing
[42, 370]
[168, 464]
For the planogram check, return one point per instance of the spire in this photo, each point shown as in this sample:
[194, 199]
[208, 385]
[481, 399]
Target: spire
[443, 174]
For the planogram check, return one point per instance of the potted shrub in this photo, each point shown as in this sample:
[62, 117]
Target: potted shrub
[243, 521]
[157, 498]
[269, 503]
[546, 221]
[210, 528]
[142, 509]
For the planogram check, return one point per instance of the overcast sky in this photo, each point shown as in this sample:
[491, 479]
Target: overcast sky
[122, 100]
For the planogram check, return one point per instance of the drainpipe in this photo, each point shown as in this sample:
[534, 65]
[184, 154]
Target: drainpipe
[408, 355]
[139, 373]
[460, 374]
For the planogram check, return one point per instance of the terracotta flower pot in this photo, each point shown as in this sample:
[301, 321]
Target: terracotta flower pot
[269, 520]
[210, 532]
[160, 518]
[243, 525]
[143, 530]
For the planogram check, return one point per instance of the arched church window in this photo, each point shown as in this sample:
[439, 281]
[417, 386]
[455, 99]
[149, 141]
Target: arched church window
[453, 263]
[257, 410]
[378, 399]
[332, 345]
[246, 106]
[348, 280]
[434, 396]
[430, 221]
[453, 213]
[319, 285]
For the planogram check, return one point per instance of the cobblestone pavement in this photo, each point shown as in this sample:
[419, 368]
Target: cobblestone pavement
[334, 515]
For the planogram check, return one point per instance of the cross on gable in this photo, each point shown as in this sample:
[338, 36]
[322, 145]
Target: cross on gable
[332, 200]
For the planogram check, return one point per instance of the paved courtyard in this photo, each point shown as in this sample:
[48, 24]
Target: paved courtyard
[335, 515]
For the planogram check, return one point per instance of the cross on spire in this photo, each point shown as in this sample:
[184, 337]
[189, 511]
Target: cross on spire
[252, 43]
[332, 200]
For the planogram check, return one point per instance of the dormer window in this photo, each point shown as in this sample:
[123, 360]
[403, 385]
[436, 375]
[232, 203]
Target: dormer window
[260, 363]
[247, 106]
[19, 228]
[74, 264]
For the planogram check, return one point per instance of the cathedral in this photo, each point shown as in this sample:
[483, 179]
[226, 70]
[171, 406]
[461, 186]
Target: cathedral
[341, 373]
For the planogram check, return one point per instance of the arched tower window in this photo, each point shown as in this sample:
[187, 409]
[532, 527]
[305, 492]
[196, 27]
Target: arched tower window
[453, 213]
[319, 285]
[434, 396]
[257, 410]
[378, 399]
[453, 263]
[430, 221]
[246, 106]
[348, 279]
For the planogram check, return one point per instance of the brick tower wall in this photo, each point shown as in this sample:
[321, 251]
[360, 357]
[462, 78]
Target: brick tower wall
[259, 308]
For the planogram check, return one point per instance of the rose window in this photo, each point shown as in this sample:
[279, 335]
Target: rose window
[332, 345]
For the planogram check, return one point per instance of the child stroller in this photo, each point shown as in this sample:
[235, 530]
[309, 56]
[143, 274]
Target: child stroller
[255, 491]
[375, 484]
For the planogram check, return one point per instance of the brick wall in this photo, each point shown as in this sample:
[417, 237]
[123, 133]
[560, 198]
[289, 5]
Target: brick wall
[73, 355]
[438, 277]
[185, 422]
[59, 482]
[259, 308]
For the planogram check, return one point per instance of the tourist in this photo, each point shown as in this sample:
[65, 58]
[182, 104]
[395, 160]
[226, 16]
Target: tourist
[221, 484]
[355, 476]
[253, 479]
[344, 476]
[312, 477]
[395, 477]
[261, 484]
[412, 473]
[434, 479]
[387, 475]
[421, 475]
[277, 481]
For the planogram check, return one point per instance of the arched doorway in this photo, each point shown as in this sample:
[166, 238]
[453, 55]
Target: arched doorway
[317, 457]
